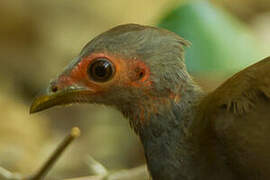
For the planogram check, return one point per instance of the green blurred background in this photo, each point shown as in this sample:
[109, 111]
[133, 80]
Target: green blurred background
[38, 38]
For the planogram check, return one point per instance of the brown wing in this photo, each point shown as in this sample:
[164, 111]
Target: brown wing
[239, 114]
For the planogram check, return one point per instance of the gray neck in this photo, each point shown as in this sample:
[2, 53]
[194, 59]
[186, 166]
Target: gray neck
[179, 143]
[166, 137]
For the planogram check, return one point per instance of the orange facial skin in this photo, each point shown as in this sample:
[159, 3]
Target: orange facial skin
[126, 73]
[131, 73]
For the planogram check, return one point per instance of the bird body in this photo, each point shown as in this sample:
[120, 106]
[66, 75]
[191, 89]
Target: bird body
[186, 133]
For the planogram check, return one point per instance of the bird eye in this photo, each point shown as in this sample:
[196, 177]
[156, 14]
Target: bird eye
[101, 70]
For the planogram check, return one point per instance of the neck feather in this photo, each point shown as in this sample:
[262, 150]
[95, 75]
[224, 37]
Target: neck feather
[161, 113]
[164, 129]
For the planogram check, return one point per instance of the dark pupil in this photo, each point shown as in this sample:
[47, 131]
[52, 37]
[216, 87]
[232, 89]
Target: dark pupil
[100, 70]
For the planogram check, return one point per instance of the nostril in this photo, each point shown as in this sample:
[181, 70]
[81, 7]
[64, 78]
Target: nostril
[54, 88]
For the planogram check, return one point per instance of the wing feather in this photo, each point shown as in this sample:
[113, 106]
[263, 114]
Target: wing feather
[240, 93]
[239, 115]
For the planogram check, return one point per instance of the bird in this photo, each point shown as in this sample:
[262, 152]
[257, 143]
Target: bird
[186, 133]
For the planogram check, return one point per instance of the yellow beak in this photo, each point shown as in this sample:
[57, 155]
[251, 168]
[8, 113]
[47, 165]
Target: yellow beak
[66, 96]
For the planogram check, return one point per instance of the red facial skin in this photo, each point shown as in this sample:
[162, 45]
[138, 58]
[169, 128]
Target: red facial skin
[127, 73]
[133, 73]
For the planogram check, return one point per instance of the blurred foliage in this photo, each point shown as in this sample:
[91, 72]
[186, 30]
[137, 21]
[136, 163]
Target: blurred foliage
[220, 43]
[19, 148]
[246, 10]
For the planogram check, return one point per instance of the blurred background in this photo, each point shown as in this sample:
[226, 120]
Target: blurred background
[38, 38]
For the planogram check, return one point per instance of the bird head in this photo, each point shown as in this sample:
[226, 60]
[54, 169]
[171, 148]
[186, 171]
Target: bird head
[135, 68]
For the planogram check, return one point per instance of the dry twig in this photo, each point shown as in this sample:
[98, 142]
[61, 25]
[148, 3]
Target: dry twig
[42, 172]
[138, 173]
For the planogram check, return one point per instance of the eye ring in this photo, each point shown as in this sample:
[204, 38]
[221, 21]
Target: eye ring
[101, 70]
